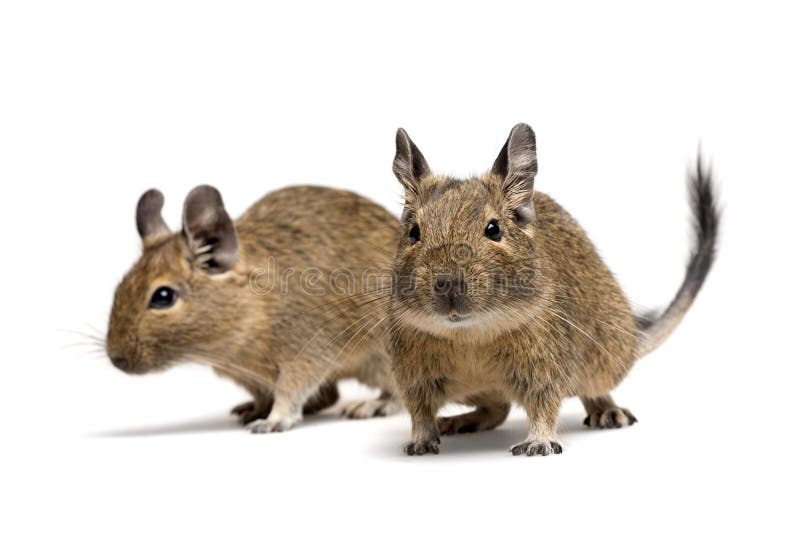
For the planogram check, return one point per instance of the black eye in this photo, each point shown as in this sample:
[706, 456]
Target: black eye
[413, 235]
[493, 231]
[164, 297]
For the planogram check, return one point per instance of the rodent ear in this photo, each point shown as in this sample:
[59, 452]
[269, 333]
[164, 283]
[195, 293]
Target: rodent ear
[517, 165]
[149, 221]
[409, 167]
[209, 230]
[409, 163]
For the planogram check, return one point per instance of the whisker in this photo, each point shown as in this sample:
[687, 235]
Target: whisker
[579, 329]
[225, 364]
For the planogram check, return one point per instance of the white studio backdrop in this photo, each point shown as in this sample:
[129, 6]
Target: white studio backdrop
[102, 100]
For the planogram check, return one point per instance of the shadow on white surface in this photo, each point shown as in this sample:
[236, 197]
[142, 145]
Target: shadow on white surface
[570, 430]
[209, 424]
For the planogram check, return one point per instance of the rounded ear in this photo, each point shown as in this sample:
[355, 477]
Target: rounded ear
[149, 221]
[209, 230]
[409, 167]
[517, 166]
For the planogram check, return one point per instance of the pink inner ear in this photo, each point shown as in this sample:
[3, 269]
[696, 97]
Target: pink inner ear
[524, 215]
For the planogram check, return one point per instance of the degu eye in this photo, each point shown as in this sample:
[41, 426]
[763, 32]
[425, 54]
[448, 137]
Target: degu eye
[493, 231]
[413, 235]
[164, 297]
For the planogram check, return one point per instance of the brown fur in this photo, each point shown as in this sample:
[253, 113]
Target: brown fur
[542, 318]
[288, 349]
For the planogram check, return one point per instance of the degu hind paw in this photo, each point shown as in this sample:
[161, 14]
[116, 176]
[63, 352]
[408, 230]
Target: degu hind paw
[418, 448]
[247, 412]
[465, 423]
[370, 408]
[269, 425]
[536, 448]
[610, 418]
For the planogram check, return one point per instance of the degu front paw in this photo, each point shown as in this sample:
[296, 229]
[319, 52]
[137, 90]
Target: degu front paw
[420, 447]
[273, 424]
[536, 448]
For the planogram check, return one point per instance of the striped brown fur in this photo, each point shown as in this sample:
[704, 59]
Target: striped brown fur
[287, 346]
[530, 314]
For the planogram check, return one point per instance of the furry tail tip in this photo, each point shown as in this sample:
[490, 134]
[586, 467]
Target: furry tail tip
[706, 214]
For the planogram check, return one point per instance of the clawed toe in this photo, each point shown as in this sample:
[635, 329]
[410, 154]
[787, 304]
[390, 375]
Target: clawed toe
[610, 418]
[370, 408]
[418, 448]
[247, 412]
[269, 425]
[239, 409]
[264, 427]
[536, 448]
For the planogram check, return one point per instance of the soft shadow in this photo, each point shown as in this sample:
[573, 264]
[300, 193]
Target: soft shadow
[216, 423]
[321, 418]
[572, 423]
[493, 441]
[195, 426]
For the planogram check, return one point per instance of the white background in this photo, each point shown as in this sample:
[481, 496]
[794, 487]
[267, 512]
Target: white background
[101, 100]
